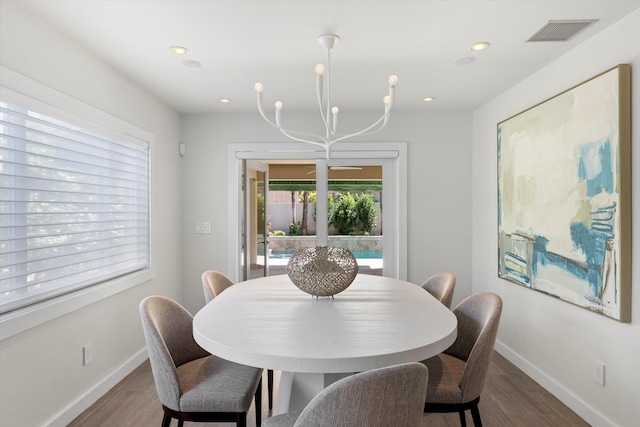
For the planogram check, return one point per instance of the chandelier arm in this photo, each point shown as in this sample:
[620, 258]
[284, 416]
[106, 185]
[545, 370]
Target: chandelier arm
[261, 111]
[319, 94]
[288, 132]
[289, 135]
[384, 119]
[365, 131]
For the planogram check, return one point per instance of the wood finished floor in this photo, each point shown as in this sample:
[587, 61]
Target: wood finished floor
[510, 398]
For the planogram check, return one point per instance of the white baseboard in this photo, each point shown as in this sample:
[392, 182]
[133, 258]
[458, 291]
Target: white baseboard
[566, 396]
[82, 403]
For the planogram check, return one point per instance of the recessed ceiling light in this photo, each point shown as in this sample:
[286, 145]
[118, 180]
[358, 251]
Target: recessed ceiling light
[192, 64]
[479, 46]
[464, 60]
[179, 50]
[428, 98]
[224, 100]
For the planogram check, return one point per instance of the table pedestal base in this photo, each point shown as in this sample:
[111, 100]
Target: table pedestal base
[296, 389]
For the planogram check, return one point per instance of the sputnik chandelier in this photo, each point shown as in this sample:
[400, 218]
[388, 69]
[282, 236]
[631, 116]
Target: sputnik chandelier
[329, 113]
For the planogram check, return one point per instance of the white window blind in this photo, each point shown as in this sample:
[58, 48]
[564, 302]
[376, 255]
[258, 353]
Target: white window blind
[74, 205]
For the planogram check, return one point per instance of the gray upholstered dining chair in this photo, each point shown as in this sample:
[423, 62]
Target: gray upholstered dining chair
[192, 384]
[390, 396]
[441, 286]
[213, 283]
[457, 375]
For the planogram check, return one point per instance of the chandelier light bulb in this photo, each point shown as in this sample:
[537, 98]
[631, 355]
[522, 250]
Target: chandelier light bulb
[259, 87]
[393, 80]
[278, 105]
[319, 69]
[386, 100]
[334, 119]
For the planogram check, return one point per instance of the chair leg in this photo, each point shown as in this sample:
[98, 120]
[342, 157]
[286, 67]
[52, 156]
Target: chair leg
[180, 423]
[463, 419]
[241, 420]
[270, 387]
[166, 421]
[475, 414]
[258, 404]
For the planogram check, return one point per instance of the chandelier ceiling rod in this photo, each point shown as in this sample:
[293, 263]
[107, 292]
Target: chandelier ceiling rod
[330, 118]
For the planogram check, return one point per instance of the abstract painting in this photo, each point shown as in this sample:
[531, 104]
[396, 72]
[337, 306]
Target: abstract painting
[564, 195]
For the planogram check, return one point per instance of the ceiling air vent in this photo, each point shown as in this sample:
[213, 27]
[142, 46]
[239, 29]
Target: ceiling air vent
[560, 31]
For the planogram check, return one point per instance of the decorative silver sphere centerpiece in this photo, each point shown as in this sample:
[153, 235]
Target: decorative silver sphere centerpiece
[322, 271]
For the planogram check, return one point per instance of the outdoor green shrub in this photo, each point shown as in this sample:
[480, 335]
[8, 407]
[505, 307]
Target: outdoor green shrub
[295, 229]
[277, 233]
[366, 211]
[344, 216]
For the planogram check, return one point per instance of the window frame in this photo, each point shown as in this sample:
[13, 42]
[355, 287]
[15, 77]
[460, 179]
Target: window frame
[65, 107]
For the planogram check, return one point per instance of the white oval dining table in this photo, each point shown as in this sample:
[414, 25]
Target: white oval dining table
[269, 323]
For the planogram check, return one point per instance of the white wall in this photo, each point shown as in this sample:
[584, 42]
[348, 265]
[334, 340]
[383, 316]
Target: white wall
[555, 342]
[42, 379]
[439, 194]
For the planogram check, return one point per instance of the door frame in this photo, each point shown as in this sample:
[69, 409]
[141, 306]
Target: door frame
[250, 241]
[392, 154]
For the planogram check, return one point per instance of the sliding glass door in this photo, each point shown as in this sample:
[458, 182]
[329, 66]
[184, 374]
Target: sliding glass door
[371, 181]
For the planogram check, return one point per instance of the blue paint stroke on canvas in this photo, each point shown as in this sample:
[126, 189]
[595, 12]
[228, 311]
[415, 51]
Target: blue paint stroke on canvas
[516, 267]
[542, 257]
[593, 242]
[595, 167]
[593, 239]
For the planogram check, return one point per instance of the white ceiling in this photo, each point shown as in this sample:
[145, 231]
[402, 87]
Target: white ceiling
[240, 43]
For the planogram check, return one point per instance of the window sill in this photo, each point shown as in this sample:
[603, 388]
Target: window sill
[20, 320]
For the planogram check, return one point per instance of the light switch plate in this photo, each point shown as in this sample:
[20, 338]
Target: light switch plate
[203, 227]
[599, 372]
[87, 354]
